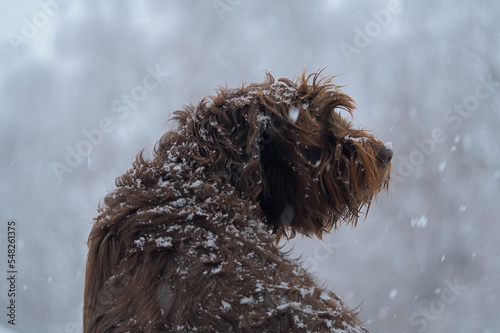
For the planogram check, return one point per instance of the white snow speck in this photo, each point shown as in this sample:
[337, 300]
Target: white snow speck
[324, 296]
[419, 222]
[225, 306]
[164, 242]
[196, 184]
[299, 322]
[210, 242]
[388, 145]
[443, 257]
[293, 114]
[393, 293]
[247, 300]
[140, 242]
[442, 166]
[216, 270]
[360, 140]
[462, 208]
[262, 118]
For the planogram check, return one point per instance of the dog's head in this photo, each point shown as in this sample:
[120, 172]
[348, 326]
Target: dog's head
[287, 146]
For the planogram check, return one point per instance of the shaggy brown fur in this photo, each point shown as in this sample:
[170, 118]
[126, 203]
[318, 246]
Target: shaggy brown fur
[187, 242]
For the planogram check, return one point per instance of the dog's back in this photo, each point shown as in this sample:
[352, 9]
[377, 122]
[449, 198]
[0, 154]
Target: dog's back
[201, 260]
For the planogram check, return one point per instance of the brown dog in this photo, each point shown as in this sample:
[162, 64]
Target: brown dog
[187, 242]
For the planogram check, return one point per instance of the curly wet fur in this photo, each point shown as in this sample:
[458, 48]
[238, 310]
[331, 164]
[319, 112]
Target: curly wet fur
[187, 241]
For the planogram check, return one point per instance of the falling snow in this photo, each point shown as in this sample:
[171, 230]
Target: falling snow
[419, 222]
[61, 82]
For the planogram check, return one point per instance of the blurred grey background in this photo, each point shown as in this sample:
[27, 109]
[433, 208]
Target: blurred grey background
[75, 109]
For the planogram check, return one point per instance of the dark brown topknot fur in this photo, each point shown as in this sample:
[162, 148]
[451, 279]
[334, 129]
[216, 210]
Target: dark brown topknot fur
[187, 241]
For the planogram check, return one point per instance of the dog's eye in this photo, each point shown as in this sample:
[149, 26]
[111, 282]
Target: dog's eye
[348, 149]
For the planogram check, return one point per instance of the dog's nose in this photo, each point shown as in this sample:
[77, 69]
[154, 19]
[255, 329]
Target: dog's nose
[385, 155]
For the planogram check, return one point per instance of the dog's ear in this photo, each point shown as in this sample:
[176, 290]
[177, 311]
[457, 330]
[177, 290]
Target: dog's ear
[255, 134]
[284, 172]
